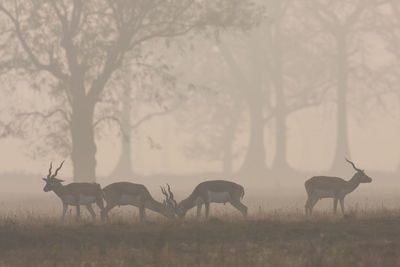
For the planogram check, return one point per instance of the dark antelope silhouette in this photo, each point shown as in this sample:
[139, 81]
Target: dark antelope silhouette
[125, 193]
[218, 191]
[337, 188]
[74, 194]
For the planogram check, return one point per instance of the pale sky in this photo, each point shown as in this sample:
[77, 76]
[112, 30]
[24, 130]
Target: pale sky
[374, 140]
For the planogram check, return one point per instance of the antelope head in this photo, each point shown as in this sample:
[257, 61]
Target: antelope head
[360, 174]
[51, 180]
[180, 208]
[169, 202]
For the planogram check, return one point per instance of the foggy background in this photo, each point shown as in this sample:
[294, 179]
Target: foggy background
[263, 93]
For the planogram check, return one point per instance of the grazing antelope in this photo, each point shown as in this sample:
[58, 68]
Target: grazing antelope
[218, 191]
[125, 193]
[74, 194]
[319, 187]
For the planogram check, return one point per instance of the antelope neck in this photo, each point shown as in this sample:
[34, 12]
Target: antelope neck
[156, 206]
[189, 202]
[59, 190]
[352, 184]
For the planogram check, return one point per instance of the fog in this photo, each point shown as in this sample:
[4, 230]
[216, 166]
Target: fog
[263, 93]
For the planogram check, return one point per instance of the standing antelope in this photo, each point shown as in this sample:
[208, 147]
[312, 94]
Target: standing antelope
[74, 194]
[125, 193]
[218, 191]
[319, 187]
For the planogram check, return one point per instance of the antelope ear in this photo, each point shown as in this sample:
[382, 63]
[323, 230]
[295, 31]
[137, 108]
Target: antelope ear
[44, 179]
[59, 180]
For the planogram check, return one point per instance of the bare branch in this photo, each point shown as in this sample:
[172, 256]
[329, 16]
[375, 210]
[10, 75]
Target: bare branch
[66, 41]
[352, 18]
[46, 115]
[51, 68]
[151, 116]
[76, 17]
[113, 61]
[112, 119]
[329, 25]
[269, 117]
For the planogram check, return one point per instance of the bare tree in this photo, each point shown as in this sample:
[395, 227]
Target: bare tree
[156, 88]
[212, 116]
[269, 72]
[253, 91]
[387, 27]
[294, 67]
[276, 85]
[81, 44]
[340, 20]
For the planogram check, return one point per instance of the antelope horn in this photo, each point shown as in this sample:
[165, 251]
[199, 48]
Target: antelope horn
[164, 193]
[169, 191]
[51, 166]
[352, 164]
[171, 196]
[55, 174]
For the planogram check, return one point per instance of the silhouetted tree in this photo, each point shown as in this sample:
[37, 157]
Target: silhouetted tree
[210, 115]
[154, 87]
[295, 68]
[250, 85]
[387, 17]
[81, 44]
[277, 77]
[340, 20]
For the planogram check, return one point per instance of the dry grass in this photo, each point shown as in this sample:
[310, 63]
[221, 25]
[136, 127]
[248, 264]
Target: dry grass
[363, 238]
[276, 233]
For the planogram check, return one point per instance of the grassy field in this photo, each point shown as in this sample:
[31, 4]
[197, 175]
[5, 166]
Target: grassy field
[277, 233]
[360, 239]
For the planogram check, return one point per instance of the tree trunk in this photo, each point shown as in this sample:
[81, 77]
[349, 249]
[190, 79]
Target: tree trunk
[83, 145]
[280, 160]
[342, 143]
[229, 138]
[123, 168]
[255, 161]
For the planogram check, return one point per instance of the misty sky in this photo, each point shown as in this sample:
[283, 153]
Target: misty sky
[373, 132]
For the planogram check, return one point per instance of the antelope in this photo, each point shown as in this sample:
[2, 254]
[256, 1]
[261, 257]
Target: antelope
[337, 188]
[217, 191]
[74, 194]
[126, 193]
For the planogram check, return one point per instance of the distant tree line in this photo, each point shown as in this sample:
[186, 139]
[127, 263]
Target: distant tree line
[114, 64]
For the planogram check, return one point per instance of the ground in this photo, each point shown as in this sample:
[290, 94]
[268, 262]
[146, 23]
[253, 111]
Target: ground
[359, 239]
[276, 233]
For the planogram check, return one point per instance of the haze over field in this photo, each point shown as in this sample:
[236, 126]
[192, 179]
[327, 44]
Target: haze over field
[271, 96]
[264, 93]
